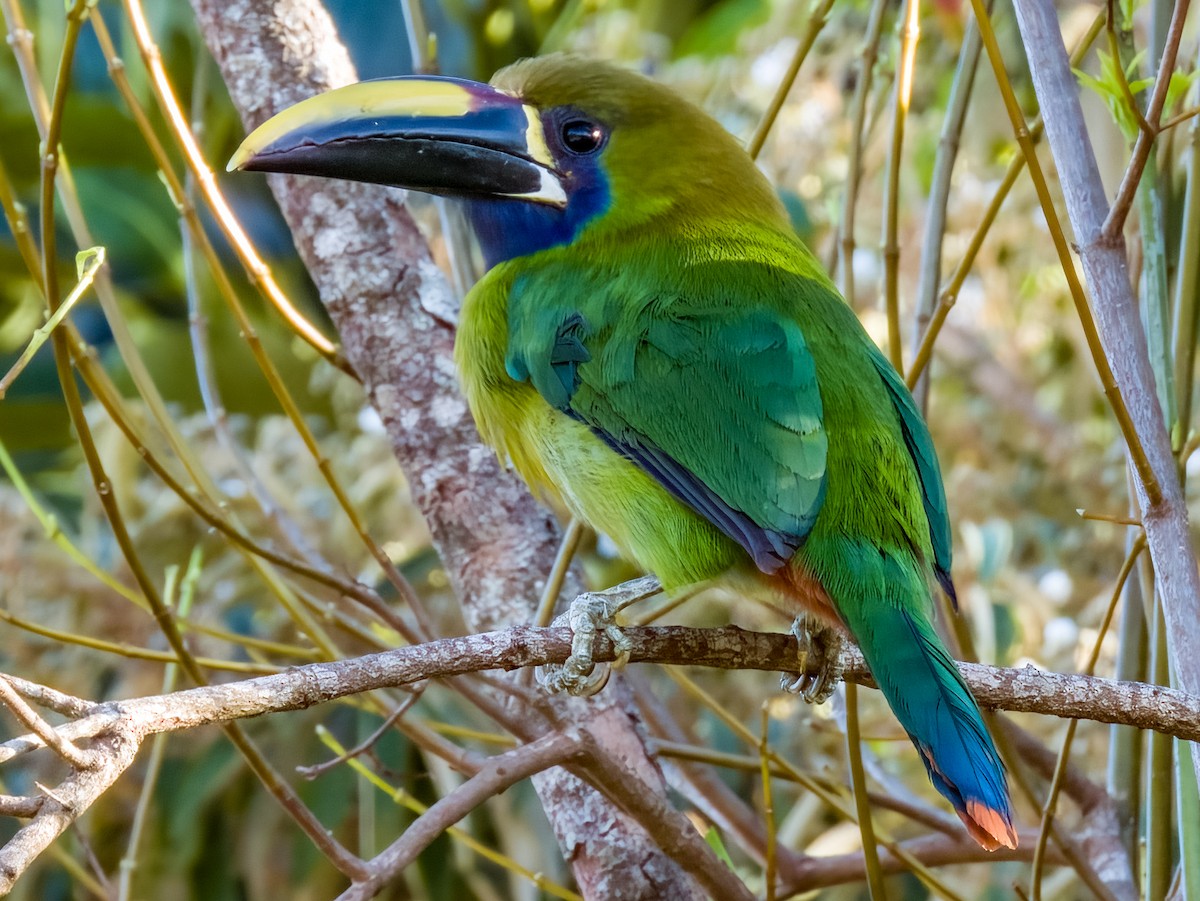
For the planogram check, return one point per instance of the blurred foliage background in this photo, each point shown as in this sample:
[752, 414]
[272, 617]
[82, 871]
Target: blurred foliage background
[1025, 437]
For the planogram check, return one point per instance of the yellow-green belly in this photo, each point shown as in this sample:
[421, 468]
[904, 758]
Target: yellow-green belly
[561, 457]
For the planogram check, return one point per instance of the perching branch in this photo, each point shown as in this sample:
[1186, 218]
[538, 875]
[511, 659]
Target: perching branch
[1026, 690]
[114, 731]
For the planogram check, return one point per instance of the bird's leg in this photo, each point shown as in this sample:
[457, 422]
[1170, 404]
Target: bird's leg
[589, 614]
[824, 644]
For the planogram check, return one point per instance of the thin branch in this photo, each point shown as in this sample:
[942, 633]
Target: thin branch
[497, 774]
[60, 808]
[63, 747]
[961, 91]
[59, 702]
[1113, 391]
[1029, 690]
[258, 271]
[918, 813]
[558, 572]
[704, 787]
[862, 89]
[930, 850]
[1064, 754]
[672, 831]
[312, 772]
[164, 92]
[1025, 690]
[862, 804]
[910, 32]
[20, 806]
[768, 805]
[949, 294]
[1114, 222]
[816, 22]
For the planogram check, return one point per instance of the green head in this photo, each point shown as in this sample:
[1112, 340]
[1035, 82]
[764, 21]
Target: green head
[557, 149]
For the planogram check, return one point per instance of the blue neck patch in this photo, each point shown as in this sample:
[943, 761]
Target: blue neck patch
[508, 229]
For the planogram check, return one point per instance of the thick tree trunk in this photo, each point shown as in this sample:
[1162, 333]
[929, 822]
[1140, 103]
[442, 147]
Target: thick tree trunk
[394, 312]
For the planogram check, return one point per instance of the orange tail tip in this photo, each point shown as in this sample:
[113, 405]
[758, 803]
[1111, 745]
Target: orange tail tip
[988, 826]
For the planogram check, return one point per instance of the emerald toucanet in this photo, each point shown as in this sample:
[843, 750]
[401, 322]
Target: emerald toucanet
[653, 346]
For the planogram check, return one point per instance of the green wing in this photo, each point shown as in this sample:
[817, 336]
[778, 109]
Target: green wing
[920, 448]
[716, 398]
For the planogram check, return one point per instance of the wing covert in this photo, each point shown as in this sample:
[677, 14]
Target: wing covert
[718, 402]
[929, 474]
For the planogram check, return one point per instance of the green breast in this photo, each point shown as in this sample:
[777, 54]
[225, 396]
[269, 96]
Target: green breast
[563, 460]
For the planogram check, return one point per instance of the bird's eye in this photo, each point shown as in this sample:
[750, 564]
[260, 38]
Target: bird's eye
[581, 136]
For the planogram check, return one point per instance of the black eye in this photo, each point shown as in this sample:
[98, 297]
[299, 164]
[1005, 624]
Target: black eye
[581, 136]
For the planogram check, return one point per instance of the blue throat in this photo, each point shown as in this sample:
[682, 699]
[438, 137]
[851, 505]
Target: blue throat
[515, 228]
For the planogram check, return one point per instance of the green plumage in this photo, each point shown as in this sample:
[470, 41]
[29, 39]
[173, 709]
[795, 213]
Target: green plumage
[655, 347]
[688, 324]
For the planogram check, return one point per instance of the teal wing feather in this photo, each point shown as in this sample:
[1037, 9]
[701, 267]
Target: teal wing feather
[717, 399]
[920, 448]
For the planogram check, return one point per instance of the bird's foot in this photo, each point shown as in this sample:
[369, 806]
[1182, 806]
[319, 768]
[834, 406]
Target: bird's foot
[823, 645]
[579, 675]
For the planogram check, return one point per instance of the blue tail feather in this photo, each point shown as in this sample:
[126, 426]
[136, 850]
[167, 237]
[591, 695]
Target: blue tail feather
[927, 693]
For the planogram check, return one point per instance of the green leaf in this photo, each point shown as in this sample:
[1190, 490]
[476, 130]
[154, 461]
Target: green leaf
[1178, 87]
[1107, 86]
[88, 261]
[714, 841]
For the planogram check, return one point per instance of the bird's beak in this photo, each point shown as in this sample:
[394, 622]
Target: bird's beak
[438, 135]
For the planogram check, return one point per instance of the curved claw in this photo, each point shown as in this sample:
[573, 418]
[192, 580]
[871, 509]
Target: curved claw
[574, 678]
[824, 644]
[579, 675]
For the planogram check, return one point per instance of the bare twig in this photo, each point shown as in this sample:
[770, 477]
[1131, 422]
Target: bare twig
[1064, 754]
[931, 850]
[910, 32]
[259, 272]
[496, 774]
[59, 702]
[703, 786]
[858, 786]
[170, 105]
[1098, 835]
[862, 89]
[58, 810]
[961, 92]
[1110, 228]
[949, 294]
[672, 831]
[558, 573]
[20, 806]
[63, 747]
[1145, 706]
[820, 13]
[312, 772]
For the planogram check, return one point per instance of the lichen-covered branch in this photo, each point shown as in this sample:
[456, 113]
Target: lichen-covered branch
[1026, 690]
[113, 731]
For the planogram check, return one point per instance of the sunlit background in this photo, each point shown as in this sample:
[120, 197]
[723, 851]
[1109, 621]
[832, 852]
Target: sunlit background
[1032, 460]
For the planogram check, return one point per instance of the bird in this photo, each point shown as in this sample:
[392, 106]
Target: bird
[654, 348]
